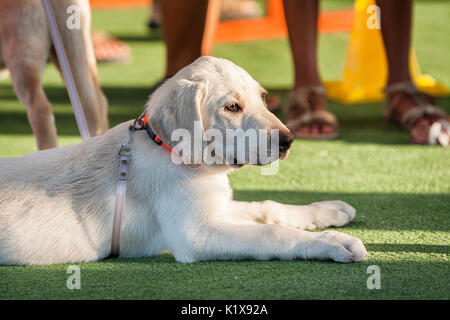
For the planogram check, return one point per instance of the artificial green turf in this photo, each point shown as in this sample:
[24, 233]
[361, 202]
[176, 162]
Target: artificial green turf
[401, 191]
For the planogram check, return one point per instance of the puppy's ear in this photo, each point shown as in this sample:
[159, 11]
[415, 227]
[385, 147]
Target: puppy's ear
[189, 117]
[179, 114]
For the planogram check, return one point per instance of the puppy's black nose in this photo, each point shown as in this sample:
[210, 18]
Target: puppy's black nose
[285, 141]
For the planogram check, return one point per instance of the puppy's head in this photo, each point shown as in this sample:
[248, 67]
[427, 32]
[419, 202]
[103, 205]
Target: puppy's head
[213, 113]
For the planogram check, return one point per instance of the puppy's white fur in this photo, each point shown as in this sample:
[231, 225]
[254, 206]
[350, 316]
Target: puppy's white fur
[56, 206]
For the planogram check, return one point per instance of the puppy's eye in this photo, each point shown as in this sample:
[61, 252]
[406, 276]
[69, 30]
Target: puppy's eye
[233, 107]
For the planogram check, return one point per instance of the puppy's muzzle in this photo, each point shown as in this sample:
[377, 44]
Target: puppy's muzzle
[285, 141]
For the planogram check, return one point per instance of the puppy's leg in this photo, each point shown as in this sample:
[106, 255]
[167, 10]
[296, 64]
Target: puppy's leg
[196, 234]
[229, 241]
[317, 215]
[25, 47]
[80, 53]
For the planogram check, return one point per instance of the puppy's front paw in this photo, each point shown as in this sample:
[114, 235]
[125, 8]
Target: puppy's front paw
[336, 246]
[331, 214]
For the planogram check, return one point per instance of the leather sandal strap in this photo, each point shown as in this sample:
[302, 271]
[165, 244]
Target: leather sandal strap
[414, 114]
[322, 116]
[407, 87]
[423, 107]
[299, 97]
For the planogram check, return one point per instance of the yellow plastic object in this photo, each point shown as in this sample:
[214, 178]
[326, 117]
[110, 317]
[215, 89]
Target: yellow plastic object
[365, 69]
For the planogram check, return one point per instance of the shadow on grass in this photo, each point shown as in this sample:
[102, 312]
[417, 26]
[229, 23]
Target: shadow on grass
[125, 103]
[162, 278]
[167, 258]
[144, 37]
[399, 247]
[115, 95]
[375, 211]
[405, 275]
[17, 123]
[362, 123]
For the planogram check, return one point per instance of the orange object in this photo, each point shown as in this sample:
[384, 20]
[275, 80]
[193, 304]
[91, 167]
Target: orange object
[271, 26]
[274, 26]
[96, 4]
[336, 21]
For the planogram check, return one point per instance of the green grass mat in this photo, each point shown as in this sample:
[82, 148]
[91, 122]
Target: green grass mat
[401, 191]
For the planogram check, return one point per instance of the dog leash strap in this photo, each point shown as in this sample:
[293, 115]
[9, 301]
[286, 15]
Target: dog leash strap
[65, 70]
[120, 198]
[140, 123]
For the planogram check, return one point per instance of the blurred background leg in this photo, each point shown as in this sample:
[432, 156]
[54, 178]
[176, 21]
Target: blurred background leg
[396, 31]
[184, 31]
[396, 23]
[301, 19]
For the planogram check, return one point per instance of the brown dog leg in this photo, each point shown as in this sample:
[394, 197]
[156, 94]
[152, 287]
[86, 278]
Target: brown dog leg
[25, 47]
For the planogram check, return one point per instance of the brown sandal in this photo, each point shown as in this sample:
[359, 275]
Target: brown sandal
[299, 113]
[439, 132]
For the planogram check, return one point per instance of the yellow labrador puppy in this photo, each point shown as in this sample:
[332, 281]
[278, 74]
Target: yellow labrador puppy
[56, 206]
[25, 46]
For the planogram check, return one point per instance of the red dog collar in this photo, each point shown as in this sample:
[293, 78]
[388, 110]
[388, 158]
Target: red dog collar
[144, 125]
[140, 123]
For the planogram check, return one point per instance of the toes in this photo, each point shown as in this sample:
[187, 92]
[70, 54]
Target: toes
[345, 207]
[345, 248]
[314, 128]
[357, 248]
[325, 247]
[303, 130]
[421, 130]
[341, 254]
[332, 218]
[419, 133]
[430, 131]
[333, 213]
[327, 129]
[339, 206]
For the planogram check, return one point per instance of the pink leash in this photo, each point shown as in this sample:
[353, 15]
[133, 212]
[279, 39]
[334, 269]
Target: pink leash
[124, 152]
[125, 159]
[65, 70]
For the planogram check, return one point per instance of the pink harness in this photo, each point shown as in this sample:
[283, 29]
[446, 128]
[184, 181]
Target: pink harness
[140, 123]
[124, 163]
[124, 151]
